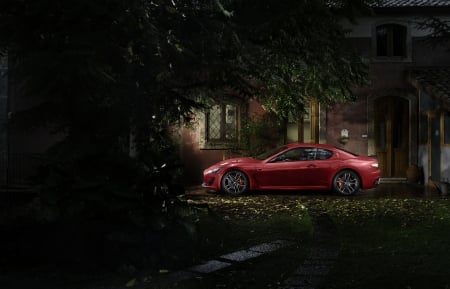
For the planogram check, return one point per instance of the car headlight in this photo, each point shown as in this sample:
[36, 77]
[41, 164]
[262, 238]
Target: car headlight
[375, 165]
[213, 171]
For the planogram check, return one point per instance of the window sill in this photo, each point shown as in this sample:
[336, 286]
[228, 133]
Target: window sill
[219, 146]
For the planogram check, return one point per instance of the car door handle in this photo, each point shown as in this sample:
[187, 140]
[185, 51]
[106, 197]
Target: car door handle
[311, 166]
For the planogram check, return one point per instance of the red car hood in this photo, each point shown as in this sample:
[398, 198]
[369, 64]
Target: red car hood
[247, 160]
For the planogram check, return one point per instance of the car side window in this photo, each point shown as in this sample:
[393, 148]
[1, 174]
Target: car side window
[309, 154]
[323, 154]
[297, 154]
[289, 156]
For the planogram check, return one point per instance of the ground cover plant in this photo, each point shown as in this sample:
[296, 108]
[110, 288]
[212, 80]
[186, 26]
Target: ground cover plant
[247, 221]
[390, 243]
[237, 223]
[192, 231]
[384, 243]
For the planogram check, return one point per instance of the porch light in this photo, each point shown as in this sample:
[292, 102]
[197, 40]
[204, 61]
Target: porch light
[343, 139]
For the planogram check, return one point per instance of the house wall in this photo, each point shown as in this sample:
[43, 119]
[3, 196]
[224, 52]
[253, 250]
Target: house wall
[387, 78]
[352, 117]
[194, 158]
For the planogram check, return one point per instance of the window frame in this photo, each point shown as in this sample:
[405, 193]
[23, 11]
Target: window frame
[222, 128]
[205, 141]
[391, 58]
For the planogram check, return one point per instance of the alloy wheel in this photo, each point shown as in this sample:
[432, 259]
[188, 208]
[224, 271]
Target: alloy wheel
[346, 183]
[234, 182]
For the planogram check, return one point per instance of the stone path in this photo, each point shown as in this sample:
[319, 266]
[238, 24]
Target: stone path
[211, 266]
[308, 275]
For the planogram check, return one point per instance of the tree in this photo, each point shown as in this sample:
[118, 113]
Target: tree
[298, 51]
[281, 52]
[440, 31]
[104, 70]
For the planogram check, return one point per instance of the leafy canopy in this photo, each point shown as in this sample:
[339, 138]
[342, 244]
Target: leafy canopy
[99, 71]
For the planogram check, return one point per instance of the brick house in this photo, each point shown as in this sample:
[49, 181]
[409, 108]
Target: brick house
[402, 117]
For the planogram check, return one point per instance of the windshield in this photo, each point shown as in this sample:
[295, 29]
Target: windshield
[270, 153]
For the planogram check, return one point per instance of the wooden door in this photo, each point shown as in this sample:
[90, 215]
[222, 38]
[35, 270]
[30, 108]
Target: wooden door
[392, 135]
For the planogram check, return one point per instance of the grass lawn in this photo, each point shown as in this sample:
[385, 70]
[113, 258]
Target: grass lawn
[390, 243]
[384, 243]
[237, 223]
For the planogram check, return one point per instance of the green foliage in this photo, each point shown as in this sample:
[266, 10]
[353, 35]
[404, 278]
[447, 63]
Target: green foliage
[440, 31]
[394, 243]
[260, 133]
[296, 50]
[406, 212]
[91, 73]
[104, 74]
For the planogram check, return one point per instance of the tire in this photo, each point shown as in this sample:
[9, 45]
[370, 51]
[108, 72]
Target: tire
[346, 182]
[234, 183]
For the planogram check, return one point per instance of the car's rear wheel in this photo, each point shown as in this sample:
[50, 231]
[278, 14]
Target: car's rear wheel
[234, 182]
[346, 182]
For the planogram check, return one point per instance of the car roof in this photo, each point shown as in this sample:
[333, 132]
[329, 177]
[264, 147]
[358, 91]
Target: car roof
[324, 146]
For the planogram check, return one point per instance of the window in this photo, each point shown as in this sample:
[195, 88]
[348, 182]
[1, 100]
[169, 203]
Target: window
[221, 121]
[219, 125]
[391, 41]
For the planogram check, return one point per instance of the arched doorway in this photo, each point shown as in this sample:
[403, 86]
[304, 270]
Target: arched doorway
[391, 134]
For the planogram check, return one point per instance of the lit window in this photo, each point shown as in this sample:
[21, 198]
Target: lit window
[221, 122]
[391, 41]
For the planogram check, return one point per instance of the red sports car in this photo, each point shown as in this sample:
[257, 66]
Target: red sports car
[298, 166]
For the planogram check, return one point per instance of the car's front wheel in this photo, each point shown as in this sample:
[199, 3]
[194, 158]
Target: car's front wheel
[346, 182]
[234, 182]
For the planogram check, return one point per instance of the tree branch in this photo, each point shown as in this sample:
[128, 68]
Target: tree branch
[227, 13]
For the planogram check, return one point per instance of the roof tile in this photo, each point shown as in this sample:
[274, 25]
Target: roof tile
[410, 3]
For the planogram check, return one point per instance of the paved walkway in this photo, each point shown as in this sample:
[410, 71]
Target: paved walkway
[308, 275]
[211, 266]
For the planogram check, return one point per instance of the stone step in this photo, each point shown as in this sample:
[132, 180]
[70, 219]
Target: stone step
[398, 180]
